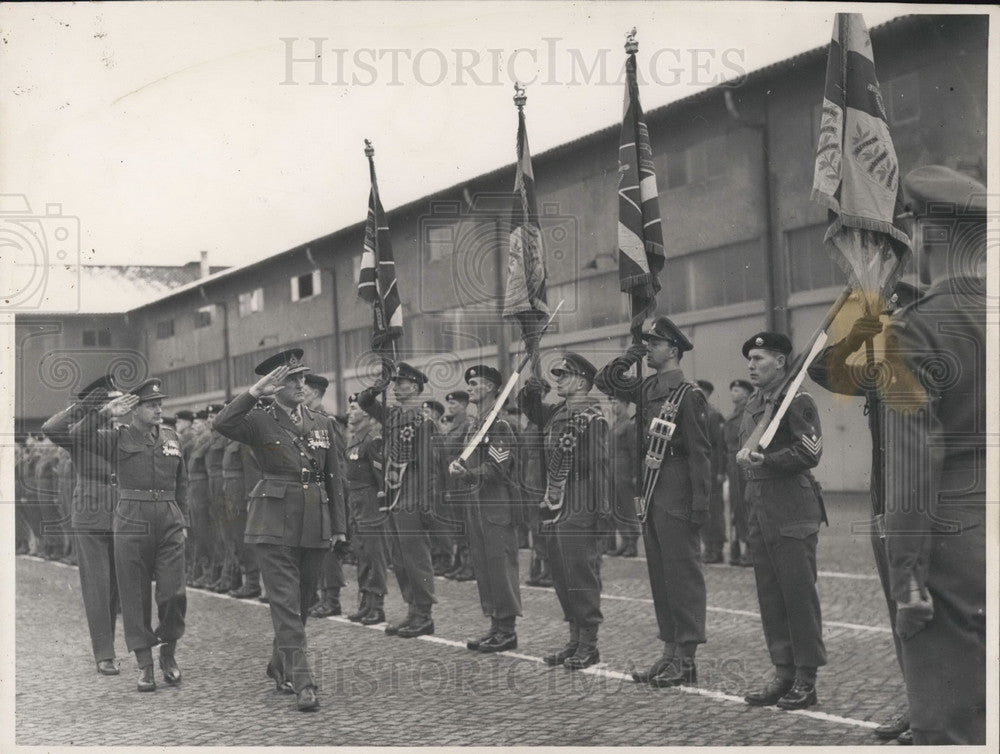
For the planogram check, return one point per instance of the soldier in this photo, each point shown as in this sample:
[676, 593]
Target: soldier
[411, 483]
[454, 424]
[577, 500]
[739, 553]
[442, 527]
[935, 505]
[623, 442]
[332, 578]
[365, 497]
[47, 489]
[490, 496]
[91, 513]
[296, 511]
[531, 462]
[785, 514]
[678, 505]
[247, 556]
[183, 421]
[222, 566]
[198, 496]
[150, 523]
[713, 533]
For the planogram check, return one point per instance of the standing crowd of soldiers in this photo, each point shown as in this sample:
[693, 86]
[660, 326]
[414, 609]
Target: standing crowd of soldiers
[268, 492]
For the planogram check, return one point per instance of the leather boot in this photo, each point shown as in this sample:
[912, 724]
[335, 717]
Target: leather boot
[558, 658]
[250, 587]
[586, 651]
[645, 676]
[376, 610]
[362, 610]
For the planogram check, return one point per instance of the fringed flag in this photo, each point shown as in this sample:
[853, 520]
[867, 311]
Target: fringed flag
[857, 173]
[640, 235]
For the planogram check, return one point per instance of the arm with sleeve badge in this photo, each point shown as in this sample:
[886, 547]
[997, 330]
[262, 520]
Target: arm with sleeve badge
[497, 456]
[234, 420]
[802, 422]
[693, 421]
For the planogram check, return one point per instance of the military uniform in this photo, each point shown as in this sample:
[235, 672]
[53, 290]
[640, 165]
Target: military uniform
[245, 553]
[91, 518]
[218, 511]
[623, 443]
[737, 482]
[785, 512]
[575, 522]
[713, 533]
[679, 502]
[364, 498]
[294, 511]
[149, 524]
[452, 441]
[200, 547]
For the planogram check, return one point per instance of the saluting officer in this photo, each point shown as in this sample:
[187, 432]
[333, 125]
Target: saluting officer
[680, 500]
[365, 482]
[296, 511]
[491, 497]
[936, 471]
[91, 515]
[411, 485]
[576, 506]
[150, 523]
[785, 514]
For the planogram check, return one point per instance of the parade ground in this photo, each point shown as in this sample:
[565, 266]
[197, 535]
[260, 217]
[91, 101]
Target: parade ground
[377, 690]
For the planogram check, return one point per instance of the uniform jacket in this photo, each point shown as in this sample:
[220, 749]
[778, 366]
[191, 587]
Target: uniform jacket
[717, 438]
[782, 492]
[422, 477]
[93, 496]
[288, 506]
[214, 454]
[686, 473]
[197, 468]
[491, 486]
[145, 462]
[587, 495]
[935, 425]
[365, 474]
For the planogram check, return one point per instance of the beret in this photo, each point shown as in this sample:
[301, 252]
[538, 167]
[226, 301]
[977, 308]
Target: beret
[772, 341]
[317, 381]
[705, 385]
[185, 415]
[741, 383]
[457, 395]
[487, 372]
[433, 406]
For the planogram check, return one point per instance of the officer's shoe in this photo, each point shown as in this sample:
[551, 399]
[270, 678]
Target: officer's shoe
[171, 673]
[499, 643]
[146, 682]
[280, 684]
[645, 676]
[373, 617]
[246, 592]
[582, 659]
[905, 738]
[629, 551]
[363, 609]
[800, 696]
[465, 574]
[891, 729]
[324, 609]
[475, 644]
[680, 672]
[558, 658]
[419, 627]
[307, 701]
[712, 558]
[107, 667]
[771, 693]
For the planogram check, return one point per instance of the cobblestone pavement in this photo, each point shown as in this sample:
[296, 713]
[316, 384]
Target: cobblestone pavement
[379, 690]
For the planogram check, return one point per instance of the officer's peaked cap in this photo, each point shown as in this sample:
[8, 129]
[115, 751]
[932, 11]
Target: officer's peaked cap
[663, 329]
[149, 390]
[292, 358]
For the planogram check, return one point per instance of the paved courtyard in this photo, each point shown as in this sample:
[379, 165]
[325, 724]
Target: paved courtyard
[384, 691]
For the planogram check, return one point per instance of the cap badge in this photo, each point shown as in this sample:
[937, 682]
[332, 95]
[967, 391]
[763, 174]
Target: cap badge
[759, 341]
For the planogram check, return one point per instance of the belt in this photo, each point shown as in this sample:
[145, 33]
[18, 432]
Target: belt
[756, 474]
[304, 477]
[146, 495]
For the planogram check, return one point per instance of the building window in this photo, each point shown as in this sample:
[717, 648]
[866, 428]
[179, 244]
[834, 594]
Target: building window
[203, 317]
[708, 159]
[97, 337]
[251, 301]
[440, 242]
[677, 169]
[902, 98]
[164, 329]
[306, 286]
[722, 276]
[809, 263]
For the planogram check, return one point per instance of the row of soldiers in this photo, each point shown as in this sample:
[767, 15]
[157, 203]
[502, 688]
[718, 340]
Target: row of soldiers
[406, 486]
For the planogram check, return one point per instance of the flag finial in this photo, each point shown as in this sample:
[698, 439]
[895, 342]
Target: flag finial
[520, 98]
[369, 149]
[631, 45]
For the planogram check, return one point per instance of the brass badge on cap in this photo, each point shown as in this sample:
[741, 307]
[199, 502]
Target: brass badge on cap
[759, 341]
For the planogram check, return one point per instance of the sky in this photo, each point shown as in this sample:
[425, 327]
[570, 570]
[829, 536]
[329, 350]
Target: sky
[171, 128]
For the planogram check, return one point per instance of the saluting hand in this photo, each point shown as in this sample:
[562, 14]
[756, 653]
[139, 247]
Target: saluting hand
[270, 383]
[120, 405]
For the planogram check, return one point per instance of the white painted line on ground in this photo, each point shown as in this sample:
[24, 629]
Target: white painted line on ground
[827, 574]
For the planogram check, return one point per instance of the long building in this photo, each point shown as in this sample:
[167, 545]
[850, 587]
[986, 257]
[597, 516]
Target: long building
[744, 246]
